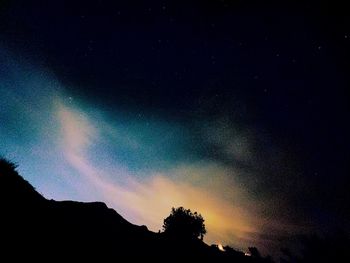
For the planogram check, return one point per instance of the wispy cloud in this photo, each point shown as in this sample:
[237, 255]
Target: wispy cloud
[206, 188]
[71, 151]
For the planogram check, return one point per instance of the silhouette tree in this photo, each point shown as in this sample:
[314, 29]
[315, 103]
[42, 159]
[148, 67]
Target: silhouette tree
[7, 167]
[254, 252]
[183, 223]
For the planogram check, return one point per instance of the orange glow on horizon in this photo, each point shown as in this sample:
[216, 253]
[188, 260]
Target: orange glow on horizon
[231, 216]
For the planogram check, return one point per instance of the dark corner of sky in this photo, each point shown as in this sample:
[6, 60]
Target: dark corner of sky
[245, 99]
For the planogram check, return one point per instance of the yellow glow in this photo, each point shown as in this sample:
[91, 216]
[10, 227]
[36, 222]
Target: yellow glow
[220, 247]
[201, 188]
[230, 214]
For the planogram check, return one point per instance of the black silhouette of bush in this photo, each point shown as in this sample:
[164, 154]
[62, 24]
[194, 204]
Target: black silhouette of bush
[7, 167]
[12, 186]
[182, 223]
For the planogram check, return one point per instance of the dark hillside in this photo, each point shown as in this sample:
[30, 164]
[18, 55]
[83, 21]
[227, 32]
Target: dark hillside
[40, 229]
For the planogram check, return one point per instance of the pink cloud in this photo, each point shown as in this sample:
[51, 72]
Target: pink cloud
[231, 216]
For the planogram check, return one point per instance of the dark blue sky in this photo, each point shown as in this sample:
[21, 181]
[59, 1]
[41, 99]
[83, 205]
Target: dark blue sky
[258, 87]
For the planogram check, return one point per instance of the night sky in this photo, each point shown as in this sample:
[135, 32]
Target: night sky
[235, 109]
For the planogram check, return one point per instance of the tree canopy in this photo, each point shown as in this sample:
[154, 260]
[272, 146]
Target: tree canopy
[184, 224]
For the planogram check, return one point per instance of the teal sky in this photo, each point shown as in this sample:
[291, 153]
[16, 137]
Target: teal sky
[234, 109]
[138, 163]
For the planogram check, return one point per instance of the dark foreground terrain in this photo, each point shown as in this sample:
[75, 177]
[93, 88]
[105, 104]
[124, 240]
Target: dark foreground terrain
[33, 227]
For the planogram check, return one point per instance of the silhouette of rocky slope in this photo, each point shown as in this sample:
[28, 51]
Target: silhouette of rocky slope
[33, 227]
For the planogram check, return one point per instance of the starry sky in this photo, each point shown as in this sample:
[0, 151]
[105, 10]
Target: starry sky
[235, 109]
